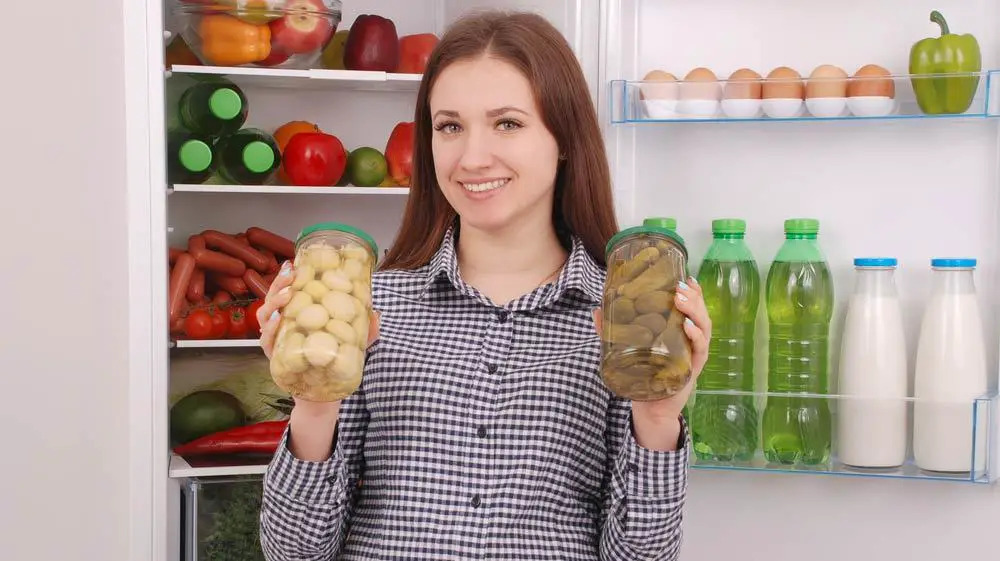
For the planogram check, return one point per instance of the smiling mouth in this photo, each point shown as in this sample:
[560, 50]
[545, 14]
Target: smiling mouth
[485, 186]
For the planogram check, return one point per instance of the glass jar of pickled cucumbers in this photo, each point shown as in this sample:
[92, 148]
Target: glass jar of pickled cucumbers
[319, 351]
[645, 354]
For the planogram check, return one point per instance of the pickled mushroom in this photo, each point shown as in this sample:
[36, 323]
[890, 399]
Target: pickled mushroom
[292, 355]
[337, 280]
[299, 302]
[353, 269]
[322, 257]
[340, 305]
[303, 274]
[315, 289]
[320, 348]
[314, 316]
[342, 331]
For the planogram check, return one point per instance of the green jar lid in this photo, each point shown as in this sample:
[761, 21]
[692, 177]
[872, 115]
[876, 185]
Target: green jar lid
[339, 227]
[225, 103]
[801, 226]
[195, 155]
[643, 230]
[258, 156]
[729, 226]
[661, 222]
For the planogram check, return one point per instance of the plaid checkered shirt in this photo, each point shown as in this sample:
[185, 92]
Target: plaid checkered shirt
[480, 432]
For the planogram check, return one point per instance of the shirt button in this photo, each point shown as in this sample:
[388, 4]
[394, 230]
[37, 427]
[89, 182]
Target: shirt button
[482, 432]
[476, 501]
[491, 368]
[502, 315]
[634, 468]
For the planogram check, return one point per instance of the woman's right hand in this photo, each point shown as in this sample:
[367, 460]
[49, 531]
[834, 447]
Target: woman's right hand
[278, 296]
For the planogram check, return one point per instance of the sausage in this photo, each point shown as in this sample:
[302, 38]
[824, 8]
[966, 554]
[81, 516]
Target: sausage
[196, 289]
[242, 238]
[173, 253]
[180, 278]
[230, 246]
[255, 283]
[213, 260]
[272, 262]
[282, 247]
[221, 297]
[232, 285]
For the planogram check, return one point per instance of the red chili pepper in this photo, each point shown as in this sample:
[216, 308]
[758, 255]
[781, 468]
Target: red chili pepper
[258, 438]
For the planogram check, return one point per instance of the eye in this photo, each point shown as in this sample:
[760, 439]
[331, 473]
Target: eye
[508, 125]
[447, 127]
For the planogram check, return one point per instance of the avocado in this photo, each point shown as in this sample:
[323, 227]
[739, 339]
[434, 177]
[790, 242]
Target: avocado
[204, 412]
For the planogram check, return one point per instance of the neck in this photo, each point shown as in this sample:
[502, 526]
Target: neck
[510, 264]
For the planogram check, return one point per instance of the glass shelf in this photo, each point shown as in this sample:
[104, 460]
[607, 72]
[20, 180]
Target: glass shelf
[637, 101]
[866, 431]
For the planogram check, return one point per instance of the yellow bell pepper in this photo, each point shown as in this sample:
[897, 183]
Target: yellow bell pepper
[229, 41]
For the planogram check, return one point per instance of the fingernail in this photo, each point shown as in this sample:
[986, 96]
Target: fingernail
[684, 285]
[681, 297]
[286, 269]
[274, 316]
[689, 322]
[694, 280]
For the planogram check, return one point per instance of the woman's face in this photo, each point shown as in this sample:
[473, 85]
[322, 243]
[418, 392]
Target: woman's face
[495, 160]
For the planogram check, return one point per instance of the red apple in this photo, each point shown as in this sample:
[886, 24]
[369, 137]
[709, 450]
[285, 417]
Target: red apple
[305, 27]
[276, 57]
[372, 44]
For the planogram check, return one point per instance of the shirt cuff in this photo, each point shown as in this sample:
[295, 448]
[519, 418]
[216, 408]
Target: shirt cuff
[654, 473]
[304, 481]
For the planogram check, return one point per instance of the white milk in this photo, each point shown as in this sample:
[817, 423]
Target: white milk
[872, 417]
[950, 373]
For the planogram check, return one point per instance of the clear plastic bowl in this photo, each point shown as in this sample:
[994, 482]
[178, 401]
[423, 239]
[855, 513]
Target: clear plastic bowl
[259, 33]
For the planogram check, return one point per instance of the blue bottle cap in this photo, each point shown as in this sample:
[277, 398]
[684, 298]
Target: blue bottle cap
[953, 263]
[875, 262]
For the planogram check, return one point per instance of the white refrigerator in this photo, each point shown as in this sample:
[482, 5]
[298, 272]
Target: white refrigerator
[896, 183]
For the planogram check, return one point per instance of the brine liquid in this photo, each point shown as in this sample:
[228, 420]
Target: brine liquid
[797, 430]
[724, 427]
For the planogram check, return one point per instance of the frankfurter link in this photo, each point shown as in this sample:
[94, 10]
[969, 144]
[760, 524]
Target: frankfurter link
[230, 246]
[319, 353]
[180, 278]
[214, 260]
[283, 248]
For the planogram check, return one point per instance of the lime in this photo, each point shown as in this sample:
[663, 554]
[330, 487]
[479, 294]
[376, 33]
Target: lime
[366, 166]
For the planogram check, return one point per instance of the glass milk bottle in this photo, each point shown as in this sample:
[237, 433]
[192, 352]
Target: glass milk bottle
[950, 373]
[872, 418]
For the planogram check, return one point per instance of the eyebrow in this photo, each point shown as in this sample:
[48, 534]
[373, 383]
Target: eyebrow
[491, 113]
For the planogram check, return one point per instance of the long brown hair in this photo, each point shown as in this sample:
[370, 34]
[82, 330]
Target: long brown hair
[583, 198]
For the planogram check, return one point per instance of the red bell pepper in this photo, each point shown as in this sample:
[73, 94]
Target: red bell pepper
[414, 51]
[399, 153]
[314, 159]
[258, 438]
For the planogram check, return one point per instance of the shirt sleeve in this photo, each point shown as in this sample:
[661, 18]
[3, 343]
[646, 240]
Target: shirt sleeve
[307, 506]
[646, 490]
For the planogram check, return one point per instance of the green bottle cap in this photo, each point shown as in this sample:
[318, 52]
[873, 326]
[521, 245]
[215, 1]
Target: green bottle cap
[729, 226]
[661, 222]
[225, 103]
[802, 226]
[258, 156]
[195, 155]
[339, 227]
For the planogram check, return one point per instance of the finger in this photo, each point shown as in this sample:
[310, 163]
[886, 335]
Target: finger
[268, 330]
[699, 342]
[273, 303]
[598, 316]
[693, 306]
[284, 278]
[373, 323]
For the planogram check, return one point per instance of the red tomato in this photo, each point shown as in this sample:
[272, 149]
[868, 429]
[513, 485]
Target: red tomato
[237, 322]
[253, 327]
[198, 325]
[220, 323]
[314, 159]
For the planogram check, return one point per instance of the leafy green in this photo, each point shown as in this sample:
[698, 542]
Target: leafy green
[235, 528]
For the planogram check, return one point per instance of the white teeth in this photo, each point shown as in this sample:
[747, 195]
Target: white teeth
[488, 186]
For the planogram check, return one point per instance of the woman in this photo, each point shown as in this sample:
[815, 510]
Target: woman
[482, 429]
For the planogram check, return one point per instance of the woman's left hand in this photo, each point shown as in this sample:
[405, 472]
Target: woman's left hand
[698, 327]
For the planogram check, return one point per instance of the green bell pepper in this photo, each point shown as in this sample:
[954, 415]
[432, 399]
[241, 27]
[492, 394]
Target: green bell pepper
[948, 54]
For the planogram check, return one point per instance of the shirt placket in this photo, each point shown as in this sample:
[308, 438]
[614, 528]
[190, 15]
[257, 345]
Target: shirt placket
[483, 413]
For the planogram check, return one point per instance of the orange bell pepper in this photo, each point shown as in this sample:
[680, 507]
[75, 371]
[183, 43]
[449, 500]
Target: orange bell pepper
[229, 41]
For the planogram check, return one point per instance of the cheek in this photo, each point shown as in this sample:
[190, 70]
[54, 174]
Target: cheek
[444, 158]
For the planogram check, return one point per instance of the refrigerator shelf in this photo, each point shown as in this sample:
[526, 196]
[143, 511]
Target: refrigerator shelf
[286, 190]
[181, 468]
[638, 101]
[874, 425]
[214, 343]
[315, 79]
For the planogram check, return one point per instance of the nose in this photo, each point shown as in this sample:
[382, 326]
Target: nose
[477, 151]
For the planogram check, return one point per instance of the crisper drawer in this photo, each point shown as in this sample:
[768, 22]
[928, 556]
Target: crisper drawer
[221, 519]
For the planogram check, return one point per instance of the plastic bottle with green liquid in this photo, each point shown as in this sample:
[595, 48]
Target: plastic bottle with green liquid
[249, 157]
[724, 427]
[799, 295]
[205, 105]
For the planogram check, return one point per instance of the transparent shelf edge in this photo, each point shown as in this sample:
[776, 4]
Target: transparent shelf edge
[735, 101]
[847, 430]
[286, 189]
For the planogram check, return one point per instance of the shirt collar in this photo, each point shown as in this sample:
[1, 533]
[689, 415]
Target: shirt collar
[581, 275]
